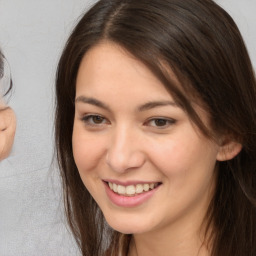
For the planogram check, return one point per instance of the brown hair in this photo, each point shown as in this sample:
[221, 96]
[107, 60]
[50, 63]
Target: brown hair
[200, 42]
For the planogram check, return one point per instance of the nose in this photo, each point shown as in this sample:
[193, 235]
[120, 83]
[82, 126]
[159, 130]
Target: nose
[125, 151]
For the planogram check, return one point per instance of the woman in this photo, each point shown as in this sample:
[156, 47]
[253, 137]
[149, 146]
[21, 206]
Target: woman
[155, 130]
[7, 116]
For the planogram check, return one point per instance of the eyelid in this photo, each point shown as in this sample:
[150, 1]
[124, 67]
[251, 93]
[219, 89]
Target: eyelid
[87, 120]
[170, 122]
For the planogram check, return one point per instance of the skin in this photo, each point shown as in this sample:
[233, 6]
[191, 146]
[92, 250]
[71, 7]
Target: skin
[120, 140]
[7, 130]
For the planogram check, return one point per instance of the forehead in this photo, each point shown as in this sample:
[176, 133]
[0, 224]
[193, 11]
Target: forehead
[109, 66]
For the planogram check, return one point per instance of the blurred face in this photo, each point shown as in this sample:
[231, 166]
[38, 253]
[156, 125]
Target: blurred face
[7, 119]
[7, 130]
[138, 154]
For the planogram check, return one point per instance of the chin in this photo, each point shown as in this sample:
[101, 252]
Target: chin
[127, 225]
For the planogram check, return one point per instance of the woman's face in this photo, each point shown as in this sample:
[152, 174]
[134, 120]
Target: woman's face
[137, 152]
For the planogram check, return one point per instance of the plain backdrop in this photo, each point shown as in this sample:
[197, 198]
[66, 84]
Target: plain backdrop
[32, 35]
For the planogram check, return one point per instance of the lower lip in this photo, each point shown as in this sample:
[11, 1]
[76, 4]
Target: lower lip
[129, 201]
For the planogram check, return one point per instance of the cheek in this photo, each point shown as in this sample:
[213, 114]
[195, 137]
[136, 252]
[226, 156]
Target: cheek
[187, 168]
[87, 150]
[86, 155]
[181, 157]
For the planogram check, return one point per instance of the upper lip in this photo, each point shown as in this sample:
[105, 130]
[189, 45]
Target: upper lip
[130, 182]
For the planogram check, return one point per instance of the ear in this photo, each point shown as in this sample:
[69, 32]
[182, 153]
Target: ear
[7, 131]
[228, 150]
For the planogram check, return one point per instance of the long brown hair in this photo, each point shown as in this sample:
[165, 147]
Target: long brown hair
[201, 43]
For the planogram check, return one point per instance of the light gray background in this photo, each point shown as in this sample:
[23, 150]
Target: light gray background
[32, 35]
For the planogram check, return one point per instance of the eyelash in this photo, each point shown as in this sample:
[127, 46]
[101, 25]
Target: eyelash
[167, 122]
[88, 120]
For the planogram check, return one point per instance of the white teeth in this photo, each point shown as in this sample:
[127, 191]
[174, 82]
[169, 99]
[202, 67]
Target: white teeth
[146, 187]
[139, 188]
[114, 187]
[131, 190]
[121, 190]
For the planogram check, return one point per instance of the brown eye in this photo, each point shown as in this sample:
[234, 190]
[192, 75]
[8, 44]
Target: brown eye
[94, 120]
[160, 122]
[97, 119]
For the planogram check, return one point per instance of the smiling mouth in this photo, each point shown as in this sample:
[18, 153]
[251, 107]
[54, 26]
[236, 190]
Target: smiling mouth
[132, 190]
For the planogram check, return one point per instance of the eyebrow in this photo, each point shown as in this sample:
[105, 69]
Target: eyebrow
[92, 101]
[144, 107]
[155, 104]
